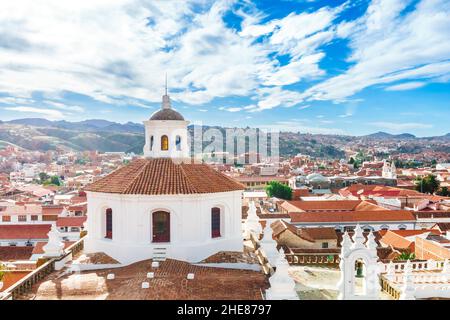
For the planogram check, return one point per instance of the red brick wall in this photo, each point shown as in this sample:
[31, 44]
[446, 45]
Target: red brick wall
[426, 249]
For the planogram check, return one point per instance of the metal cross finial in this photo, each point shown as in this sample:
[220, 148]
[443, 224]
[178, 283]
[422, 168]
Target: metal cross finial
[166, 83]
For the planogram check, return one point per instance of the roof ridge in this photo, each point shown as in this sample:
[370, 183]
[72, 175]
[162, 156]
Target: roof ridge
[191, 185]
[128, 186]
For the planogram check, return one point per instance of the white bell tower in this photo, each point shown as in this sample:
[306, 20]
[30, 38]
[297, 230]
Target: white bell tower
[166, 133]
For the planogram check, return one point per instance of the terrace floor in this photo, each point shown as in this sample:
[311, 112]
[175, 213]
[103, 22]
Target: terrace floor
[170, 283]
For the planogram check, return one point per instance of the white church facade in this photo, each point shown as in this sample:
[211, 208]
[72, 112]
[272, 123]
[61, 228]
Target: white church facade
[163, 203]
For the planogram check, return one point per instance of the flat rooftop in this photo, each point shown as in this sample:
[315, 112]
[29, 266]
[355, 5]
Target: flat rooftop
[169, 283]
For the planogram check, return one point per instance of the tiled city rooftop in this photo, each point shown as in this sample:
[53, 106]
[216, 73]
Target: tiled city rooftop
[170, 283]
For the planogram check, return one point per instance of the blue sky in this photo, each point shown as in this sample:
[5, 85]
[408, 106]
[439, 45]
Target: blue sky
[344, 67]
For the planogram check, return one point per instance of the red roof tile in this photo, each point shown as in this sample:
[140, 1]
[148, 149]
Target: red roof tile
[352, 216]
[70, 221]
[163, 176]
[330, 205]
[24, 231]
[39, 246]
[11, 253]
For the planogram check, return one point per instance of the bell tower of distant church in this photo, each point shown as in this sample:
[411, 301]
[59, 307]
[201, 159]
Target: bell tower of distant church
[166, 133]
[389, 171]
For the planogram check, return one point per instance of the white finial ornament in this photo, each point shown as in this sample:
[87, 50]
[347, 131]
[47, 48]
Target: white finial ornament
[282, 286]
[358, 238]
[269, 245]
[54, 246]
[252, 223]
[346, 242]
[390, 271]
[408, 290]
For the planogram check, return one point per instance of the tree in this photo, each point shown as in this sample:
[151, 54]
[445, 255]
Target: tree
[43, 177]
[351, 161]
[279, 190]
[443, 192]
[55, 180]
[406, 256]
[428, 184]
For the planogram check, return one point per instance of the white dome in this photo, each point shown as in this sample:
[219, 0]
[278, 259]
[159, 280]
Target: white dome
[316, 177]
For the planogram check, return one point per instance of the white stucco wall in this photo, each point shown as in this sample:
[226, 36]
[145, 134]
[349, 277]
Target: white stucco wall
[190, 223]
[171, 128]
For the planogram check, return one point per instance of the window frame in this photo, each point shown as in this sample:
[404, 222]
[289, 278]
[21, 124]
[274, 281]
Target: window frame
[164, 143]
[216, 222]
[109, 224]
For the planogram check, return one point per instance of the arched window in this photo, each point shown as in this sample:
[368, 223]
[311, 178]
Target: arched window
[384, 227]
[367, 228]
[215, 222]
[178, 143]
[109, 222]
[164, 143]
[161, 226]
[151, 142]
[402, 227]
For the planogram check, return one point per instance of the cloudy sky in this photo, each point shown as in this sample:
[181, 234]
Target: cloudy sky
[351, 67]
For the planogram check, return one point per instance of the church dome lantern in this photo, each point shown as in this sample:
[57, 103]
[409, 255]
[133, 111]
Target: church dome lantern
[166, 133]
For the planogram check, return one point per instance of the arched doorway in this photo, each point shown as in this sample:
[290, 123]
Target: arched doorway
[161, 226]
[359, 278]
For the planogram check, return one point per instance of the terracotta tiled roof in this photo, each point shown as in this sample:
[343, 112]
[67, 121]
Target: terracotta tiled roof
[377, 190]
[70, 221]
[52, 210]
[10, 253]
[320, 233]
[39, 246]
[443, 226]
[210, 283]
[352, 216]
[163, 176]
[308, 234]
[24, 231]
[395, 240]
[330, 205]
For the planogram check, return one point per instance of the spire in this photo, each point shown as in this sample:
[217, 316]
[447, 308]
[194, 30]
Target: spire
[358, 238]
[166, 84]
[166, 99]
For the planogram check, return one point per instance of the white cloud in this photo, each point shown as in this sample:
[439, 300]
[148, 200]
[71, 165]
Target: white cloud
[51, 114]
[401, 126]
[233, 109]
[299, 126]
[388, 46]
[117, 52]
[406, 86]
[65, 107]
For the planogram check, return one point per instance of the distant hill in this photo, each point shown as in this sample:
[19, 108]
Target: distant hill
[86, 125]
[385, 135]
[102, 135]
